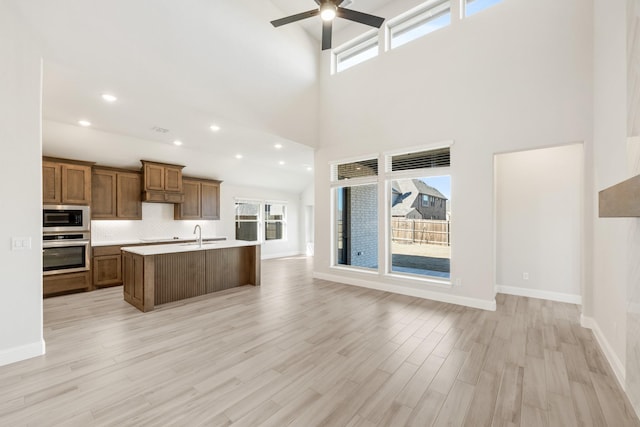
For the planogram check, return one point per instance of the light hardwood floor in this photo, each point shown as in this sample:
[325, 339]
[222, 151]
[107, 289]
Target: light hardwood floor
[305, 352]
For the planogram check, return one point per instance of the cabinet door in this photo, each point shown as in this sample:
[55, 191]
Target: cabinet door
[76, 184]
[51, 183]
[210, 205]
[103, 194]
[154, 177]
[190, 208]
[173, 179]
[129, 195]
[107, 270]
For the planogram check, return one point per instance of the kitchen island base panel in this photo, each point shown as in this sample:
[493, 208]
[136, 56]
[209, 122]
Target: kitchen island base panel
[151, 280]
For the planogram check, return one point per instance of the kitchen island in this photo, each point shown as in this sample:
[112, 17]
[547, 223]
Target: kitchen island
[158, 274]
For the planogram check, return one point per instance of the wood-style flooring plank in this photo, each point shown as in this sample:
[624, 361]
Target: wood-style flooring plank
[309, 352]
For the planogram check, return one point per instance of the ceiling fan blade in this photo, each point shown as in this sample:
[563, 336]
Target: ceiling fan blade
[362, 18]
[296, 17]
[326, 34]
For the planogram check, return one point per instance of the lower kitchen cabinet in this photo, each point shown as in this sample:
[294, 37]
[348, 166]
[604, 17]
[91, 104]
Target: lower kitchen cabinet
[107, 266]
[60, 283]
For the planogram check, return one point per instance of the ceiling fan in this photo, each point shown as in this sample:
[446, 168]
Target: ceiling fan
[328, 10]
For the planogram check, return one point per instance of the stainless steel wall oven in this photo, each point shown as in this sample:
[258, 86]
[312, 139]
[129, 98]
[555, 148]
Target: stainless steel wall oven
[66, 240]
[65, 253]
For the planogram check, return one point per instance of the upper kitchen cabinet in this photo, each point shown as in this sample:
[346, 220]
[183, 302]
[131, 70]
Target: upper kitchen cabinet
[201, 200]
[66, 182]
[162, 182]
[117, 194]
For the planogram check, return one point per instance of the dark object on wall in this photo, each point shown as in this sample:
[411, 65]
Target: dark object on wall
[621, 200]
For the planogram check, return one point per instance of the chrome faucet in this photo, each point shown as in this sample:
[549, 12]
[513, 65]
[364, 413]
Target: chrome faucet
[199, 229]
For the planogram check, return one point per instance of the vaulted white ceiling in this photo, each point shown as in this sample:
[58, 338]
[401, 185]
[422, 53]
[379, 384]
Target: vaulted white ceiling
[183, 66]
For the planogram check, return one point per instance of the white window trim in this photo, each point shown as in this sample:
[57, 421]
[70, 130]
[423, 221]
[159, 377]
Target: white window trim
[354, 46]
[259, 221]
[285, 231]
[411, 17]
[383, 180]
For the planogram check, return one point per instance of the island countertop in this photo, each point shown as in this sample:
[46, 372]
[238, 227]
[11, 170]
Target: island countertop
[187, 247]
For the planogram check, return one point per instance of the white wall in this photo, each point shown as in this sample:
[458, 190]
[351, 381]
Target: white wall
[539, 223]
[514, 77]
[157, 222]
[605, 304]
[21, 287]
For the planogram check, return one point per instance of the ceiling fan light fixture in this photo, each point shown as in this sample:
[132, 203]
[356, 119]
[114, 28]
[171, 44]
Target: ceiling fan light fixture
[328, 11]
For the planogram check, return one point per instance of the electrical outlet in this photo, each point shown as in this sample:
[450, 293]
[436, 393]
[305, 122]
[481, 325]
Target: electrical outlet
[20, 243]
[525, 276]
[458, 282]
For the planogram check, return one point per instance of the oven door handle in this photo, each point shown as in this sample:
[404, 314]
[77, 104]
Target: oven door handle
[64, 244]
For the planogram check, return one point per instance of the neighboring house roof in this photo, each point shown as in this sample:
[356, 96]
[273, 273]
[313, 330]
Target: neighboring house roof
[404, 194]
[402, 210]
[415, 187]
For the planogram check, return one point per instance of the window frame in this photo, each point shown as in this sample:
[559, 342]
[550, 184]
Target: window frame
[258, 221]
[416, 17]
[283, 221]
[464, 7]
[353, 48]
[384, 181]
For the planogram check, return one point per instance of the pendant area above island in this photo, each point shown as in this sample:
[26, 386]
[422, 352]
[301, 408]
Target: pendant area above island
[158, 274]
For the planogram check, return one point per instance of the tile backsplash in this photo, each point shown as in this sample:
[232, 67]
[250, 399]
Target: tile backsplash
[157, 222]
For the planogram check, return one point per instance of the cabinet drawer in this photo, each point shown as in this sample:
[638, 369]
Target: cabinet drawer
[65, 282]
[106, 250]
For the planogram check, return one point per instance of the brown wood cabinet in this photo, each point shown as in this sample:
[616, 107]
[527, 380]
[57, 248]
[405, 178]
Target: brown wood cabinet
[107, 266]
[201, 200]
[162, 182]
[158, 279]
[117, 194]
[62, 283]
[66, 182]
[133, 277]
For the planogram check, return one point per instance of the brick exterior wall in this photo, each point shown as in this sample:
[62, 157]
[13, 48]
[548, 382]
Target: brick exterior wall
[364, 226]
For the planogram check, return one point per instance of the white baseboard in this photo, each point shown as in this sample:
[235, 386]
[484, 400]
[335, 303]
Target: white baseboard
[281, 255]
[17, 354]
[537, 293]
[616, 364]
[412, 292]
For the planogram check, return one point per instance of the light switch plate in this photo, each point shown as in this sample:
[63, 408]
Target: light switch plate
[20, 243]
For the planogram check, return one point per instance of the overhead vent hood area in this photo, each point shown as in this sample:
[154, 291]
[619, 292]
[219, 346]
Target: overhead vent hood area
[621, 200]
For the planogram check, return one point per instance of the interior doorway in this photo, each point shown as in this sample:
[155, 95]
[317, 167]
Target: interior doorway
[539, 222]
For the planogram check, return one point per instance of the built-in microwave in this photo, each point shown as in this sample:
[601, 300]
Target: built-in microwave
[65, 218]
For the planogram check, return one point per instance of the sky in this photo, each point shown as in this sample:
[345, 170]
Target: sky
[440, 183]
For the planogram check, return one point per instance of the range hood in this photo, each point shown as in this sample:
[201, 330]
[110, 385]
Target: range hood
[621, 200]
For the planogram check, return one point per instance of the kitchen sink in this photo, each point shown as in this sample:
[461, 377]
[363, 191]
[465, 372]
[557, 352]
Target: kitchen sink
[196, 243]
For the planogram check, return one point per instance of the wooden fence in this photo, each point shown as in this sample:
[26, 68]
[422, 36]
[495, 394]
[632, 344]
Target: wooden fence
[429, 231]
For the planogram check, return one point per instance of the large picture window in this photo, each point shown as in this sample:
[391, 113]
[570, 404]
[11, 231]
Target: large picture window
[420, 226]
[417, 220]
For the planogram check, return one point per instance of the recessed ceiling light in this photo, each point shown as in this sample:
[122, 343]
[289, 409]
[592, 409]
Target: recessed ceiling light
[281, 162]
[278, 146]
[84, 123]
[214, 128]
[109, 98]
[178, 143]
[238, 156]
